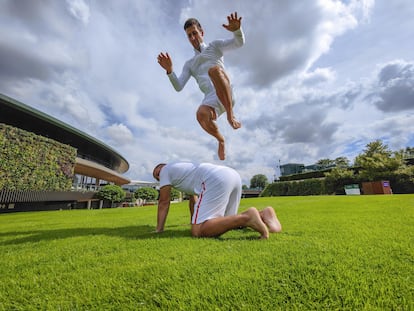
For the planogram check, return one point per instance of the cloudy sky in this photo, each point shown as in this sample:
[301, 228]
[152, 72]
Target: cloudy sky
[316, 78]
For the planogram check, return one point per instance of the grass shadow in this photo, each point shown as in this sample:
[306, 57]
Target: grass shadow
[130, 232]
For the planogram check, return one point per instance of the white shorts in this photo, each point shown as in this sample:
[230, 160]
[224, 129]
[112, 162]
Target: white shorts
[212, 100]
[220, 196]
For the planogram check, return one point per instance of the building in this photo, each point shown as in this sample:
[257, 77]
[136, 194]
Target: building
[291, 168]
[134, 185]
[96, 163]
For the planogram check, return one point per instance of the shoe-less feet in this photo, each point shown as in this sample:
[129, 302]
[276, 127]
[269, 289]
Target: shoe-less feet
[270, 219]
[255, 222]
[234, 123]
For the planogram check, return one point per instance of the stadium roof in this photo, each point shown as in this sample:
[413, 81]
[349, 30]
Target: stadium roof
[90, 149]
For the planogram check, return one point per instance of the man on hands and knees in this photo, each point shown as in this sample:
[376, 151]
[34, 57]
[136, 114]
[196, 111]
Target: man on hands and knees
[216, 191]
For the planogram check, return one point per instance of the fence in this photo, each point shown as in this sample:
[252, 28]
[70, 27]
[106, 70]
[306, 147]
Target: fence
[14, 196]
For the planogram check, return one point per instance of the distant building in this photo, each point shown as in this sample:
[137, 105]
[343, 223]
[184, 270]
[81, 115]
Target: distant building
[291, 168]
[134, 185]
[96, 163]
[296, 168]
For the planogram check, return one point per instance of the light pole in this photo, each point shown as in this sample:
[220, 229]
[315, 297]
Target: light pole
[280, 172]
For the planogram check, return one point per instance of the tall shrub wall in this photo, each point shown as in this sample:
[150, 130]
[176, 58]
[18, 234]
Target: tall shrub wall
[33, 162]
[290, 188]
[400, 184]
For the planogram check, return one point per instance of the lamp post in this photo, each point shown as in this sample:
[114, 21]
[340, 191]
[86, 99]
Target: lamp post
[280, 172]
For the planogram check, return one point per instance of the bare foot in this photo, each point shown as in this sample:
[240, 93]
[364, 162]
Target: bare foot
[221, 153]
[269, 217]
[234, 123]
[255, 222]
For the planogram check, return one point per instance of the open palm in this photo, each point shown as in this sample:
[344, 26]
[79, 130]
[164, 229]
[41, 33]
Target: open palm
[234, 23]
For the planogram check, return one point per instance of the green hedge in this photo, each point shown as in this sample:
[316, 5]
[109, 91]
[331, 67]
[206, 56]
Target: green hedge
[33, 162]
[400, 183]
[290, 188]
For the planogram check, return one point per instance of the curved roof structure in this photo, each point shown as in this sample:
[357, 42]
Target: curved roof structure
[94, 158]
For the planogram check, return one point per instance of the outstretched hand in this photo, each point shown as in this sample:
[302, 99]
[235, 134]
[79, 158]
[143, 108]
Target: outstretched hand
[234, 22]
[165, 62]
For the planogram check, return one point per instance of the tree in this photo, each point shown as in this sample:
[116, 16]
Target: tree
[407, 153]
[258, 181]
[337, 178]
[341, 162]
[377, 160]
[146, 193]
[175, 194]
[111, 193]
[325, 163]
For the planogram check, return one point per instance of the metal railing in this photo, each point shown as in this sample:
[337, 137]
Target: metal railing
[15, 196]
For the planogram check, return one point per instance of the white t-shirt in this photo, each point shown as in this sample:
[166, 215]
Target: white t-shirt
[218, 187]
[188, 177]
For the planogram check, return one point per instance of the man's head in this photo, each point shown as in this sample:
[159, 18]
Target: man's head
[157, 170]
[194, 32]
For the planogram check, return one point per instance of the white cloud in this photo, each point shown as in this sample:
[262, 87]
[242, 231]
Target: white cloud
[119, 135]
[319, 75]
[395, 89]
[79, 9]
[315, 79]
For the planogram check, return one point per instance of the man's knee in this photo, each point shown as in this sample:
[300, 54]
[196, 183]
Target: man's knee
[205, 114]
[201, 114]
[196, 231]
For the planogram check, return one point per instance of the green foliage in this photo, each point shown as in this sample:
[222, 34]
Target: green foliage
[402, 180]
[111, 193]
[175, 194]
[146, 193]
[33, 162]
[325, 163]
[258, 181]
[307, 175]
[292, 188]
[129, 197]
[337, 178]
[335, 253]
[341, 162]
[377, 161]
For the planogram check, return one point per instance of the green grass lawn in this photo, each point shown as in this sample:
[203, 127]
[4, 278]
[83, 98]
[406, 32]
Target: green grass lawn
[335, 253]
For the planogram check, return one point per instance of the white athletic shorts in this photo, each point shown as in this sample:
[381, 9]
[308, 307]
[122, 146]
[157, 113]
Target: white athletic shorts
[220, 196]
[212, 100]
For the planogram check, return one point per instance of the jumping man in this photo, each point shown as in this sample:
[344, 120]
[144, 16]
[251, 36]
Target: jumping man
[207, 67]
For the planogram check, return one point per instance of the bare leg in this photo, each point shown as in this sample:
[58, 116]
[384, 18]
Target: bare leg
[206, 116]
[269, 217]
[217, 226]
[221, 83]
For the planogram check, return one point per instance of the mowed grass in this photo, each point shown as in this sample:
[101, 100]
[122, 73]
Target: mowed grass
[335, 253]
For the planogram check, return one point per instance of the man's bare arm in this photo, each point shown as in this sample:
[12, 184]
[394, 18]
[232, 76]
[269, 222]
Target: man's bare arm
[163, 207]
[191, 203]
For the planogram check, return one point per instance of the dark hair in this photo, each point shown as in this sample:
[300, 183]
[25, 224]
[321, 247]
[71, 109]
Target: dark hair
[157, 166]
[192, 21]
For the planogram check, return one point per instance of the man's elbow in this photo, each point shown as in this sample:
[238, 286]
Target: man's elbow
[178, 88]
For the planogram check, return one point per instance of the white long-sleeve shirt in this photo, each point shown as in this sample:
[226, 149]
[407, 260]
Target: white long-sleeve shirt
[201, 62]
[188, 177]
